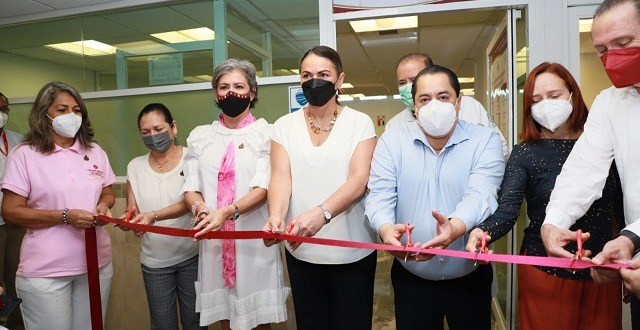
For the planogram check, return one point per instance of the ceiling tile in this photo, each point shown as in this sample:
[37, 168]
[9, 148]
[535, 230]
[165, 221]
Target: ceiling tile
[9, 8]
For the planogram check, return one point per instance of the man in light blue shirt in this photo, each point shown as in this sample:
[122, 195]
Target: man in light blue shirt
[442, 175]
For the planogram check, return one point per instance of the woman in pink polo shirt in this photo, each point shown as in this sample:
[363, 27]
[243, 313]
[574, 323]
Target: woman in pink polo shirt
[54, 184]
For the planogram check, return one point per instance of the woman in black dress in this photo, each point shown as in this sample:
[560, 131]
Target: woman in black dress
[551, 298]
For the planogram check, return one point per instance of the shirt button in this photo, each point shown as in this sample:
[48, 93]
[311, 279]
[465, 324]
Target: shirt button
[441, 259]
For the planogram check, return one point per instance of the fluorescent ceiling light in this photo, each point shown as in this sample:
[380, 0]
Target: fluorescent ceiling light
[360, 95]
[373, 98]
[388, 40]
[384, 24]
[144, 47]
[468, 91]
[189, 35]
[346, 85]
[296, 71]
[466, 80]
[522, 52]
[397, 97]
[345, 98]
[586, 25]
[86, 47]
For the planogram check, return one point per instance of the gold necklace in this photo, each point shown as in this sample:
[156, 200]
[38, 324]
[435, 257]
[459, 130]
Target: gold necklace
[317, 129]
[165, 162]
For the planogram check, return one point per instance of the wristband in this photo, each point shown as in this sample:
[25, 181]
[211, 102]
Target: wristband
[64, 216]
[194, 206]
[236, 212]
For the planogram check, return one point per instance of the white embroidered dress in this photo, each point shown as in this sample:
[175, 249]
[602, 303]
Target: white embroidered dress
[259, 294]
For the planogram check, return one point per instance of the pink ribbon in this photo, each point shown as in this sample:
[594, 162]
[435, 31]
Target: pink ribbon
[226, 196]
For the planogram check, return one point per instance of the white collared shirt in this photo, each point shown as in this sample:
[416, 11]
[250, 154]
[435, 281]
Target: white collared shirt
[611, 132]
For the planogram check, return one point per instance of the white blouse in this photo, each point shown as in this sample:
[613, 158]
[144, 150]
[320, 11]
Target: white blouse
[259, 295]
[154, 191]
[317, 172]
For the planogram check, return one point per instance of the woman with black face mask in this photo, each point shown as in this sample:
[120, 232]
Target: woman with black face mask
[227, 174]
[320, 158]
[154, 181]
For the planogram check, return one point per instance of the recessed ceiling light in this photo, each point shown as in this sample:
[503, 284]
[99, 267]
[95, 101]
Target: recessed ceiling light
[466, 80]
[346, 85]
[383, 24]
[189, 35]
[86, 47]
[467, 91]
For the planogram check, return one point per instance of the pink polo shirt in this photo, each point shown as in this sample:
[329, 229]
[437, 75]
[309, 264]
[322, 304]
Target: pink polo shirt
[67, 178]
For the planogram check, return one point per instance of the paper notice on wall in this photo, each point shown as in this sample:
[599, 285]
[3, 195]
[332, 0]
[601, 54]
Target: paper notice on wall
[165, 69]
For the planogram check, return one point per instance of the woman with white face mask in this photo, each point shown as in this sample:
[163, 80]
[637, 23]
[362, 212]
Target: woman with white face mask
[54, 184]
[554, 116]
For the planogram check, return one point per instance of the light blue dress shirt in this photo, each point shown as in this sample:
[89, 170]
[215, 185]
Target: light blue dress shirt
[408, 180]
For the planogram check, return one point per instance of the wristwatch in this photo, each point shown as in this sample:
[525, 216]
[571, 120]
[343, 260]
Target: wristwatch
[327, 214]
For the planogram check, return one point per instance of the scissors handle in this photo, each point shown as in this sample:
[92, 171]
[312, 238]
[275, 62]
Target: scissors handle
[579, 242]
[407, 230]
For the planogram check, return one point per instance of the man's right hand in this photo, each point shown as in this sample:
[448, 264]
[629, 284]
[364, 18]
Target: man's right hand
[555, 239]
[391, 234]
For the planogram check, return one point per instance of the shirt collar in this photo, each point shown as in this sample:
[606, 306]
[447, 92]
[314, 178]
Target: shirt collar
[459, 134]
[76, 146]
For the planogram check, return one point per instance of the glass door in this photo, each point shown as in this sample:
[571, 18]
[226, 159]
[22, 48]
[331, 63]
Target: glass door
[486, 47]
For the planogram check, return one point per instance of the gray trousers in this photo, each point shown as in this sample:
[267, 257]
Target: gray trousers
[167, 285]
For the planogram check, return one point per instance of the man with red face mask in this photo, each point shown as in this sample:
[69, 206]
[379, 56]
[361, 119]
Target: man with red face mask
[611, 132]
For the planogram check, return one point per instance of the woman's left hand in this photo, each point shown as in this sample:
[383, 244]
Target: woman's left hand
[104, 210]
[214, 221]
[307, 224]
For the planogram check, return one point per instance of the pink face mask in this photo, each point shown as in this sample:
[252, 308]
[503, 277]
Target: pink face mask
[622, 66]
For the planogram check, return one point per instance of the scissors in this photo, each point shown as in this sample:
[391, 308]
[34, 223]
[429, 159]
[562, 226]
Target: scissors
[407, 230]
[483, 248]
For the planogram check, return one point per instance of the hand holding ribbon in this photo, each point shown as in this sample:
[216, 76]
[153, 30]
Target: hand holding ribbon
[307, 225]
[274, 224]
[617, 250]
[555, 239]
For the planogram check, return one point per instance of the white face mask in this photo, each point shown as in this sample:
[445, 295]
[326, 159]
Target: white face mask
[552, 113]
[437, 118]
[4, 120]
[66, 125]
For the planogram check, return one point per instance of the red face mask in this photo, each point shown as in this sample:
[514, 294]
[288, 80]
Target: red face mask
[622, 66]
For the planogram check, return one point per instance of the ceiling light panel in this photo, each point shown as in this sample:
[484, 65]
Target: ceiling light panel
[384, 24]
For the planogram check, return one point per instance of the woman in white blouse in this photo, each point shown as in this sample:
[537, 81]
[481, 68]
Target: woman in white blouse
[227, 174]
[320, 158]
[154, 181]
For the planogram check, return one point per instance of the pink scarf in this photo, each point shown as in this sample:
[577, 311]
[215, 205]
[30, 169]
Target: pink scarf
[226, 196]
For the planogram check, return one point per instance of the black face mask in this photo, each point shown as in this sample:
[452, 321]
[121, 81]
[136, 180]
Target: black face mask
[233, 104]
[318, 91]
